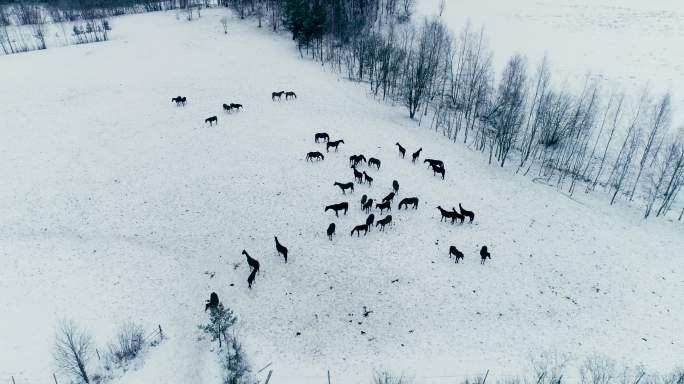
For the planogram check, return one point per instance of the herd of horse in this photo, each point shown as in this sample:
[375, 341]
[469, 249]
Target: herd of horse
[229, 107]
[385, 204]
[366, 205]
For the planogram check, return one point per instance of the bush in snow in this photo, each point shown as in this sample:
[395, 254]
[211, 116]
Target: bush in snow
[386, 377]
[129, 343]
[234, 361]
[235, 364]
[597, 370]
[92, 31]
[549, 367]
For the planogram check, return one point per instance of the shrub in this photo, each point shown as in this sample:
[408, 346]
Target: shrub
[386, 377]
[129, 343]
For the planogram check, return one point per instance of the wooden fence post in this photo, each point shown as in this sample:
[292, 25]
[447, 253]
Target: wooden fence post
[267, 365]
[328, 376]
[270, 371]
[485, 378]
[13, 382]
[55, 377]
[542, 377]
[640, 376]
[98, 354]
[161, 334]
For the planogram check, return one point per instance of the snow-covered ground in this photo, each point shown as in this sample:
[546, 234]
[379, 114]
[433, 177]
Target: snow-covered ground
[628, 43]
[116, 204]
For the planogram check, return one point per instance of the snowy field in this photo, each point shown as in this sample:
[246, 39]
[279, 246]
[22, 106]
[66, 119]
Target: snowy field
[117, 204]
[627, 43]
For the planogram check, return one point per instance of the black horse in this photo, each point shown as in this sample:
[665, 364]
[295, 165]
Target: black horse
[402, 150]
[409, 201]
[416, 155]
[321, 136]
[212, 302]
[367, 205]
[211, 120]
[344, 186]
[252, 262]
[331, 231]
[227, 107]
[359, 228]
[438, 169]
[354, 160]
[384, 205]
[446, 214]
[370, 220]
[389, 197]
[457, 215]
[337, 207]
[236, 106]
[250, 278]
[484, 254]
[469, 214]
[333, 144]
[455, 252]
[374, 162]
[358, 176]
[384, 221]
[281, 249]
[277, 95]
[290, 94]
[314, 155]
[433, 162]
[368, 179]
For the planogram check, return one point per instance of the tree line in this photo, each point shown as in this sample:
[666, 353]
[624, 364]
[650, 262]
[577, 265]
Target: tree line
[574, 138]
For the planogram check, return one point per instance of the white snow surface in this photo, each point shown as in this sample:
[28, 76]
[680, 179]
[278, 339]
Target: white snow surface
[629, 44]
[115, 203]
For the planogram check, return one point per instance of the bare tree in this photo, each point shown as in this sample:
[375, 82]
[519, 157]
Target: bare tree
[475, 78]
[33, 15]
[72, 350]
[259, 13]
[407, 7]
[423, 63]
[659, 119]
[623, 161]
[671, 177]
[5, 39]
[530, 133]
[506, 116]
[597, 370]
[616, 119]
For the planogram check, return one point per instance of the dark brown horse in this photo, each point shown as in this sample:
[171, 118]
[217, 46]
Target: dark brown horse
[211, 120]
